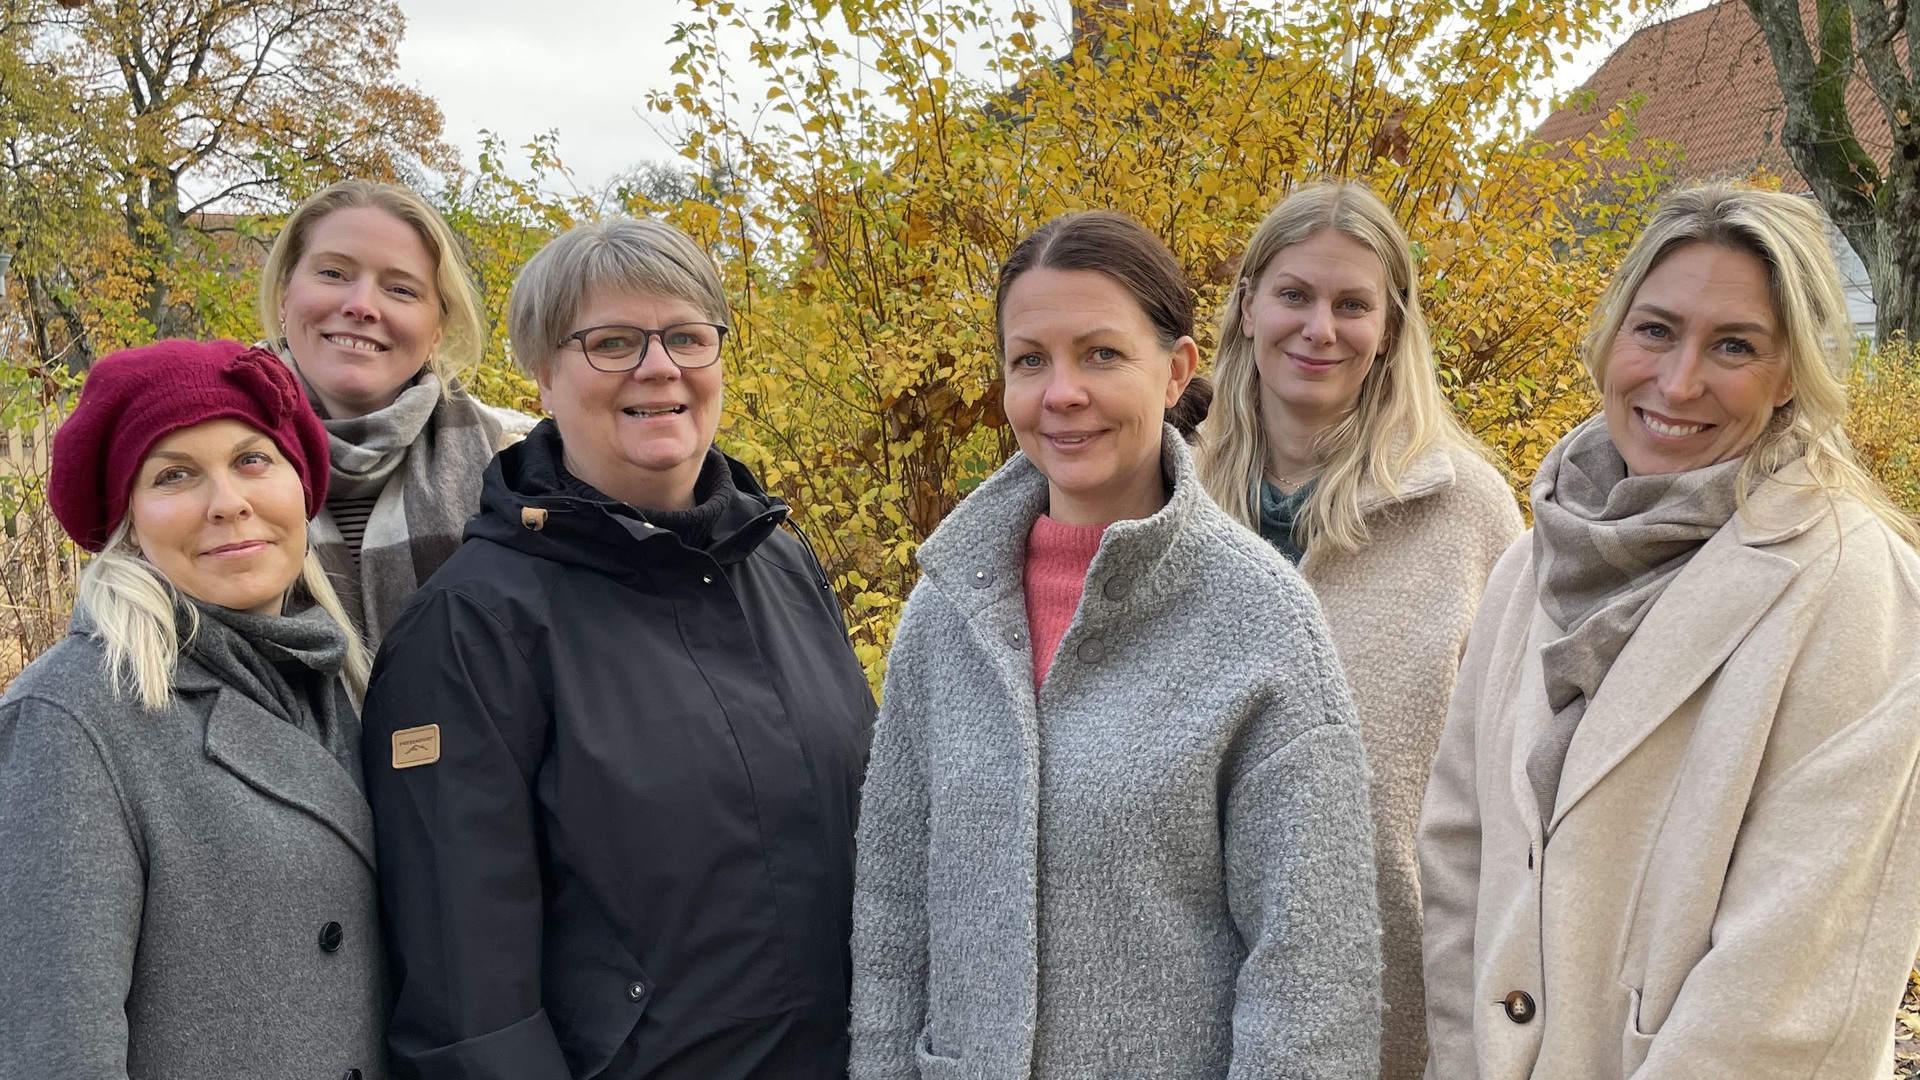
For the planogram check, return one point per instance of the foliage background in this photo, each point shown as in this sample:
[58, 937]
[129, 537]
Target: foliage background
[858, 168]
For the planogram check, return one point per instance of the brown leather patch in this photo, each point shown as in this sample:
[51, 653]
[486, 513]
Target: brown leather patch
[416, 746]
[533, 518]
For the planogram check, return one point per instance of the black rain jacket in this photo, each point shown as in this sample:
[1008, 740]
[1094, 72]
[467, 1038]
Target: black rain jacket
[633, 854]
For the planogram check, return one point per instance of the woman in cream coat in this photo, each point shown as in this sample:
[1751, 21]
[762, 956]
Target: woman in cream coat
[1671, 828]
[1330, 436]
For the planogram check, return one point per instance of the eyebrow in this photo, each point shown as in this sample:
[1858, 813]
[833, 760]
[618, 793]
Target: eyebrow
[175, 455]
[394, 270]
[1675, 317]
[1088, 336]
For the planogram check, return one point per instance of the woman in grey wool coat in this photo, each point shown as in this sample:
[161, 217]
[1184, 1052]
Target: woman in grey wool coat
[1109, 828]
[186, 880]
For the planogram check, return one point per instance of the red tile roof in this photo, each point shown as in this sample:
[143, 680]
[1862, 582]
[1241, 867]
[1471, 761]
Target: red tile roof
[1709, 87]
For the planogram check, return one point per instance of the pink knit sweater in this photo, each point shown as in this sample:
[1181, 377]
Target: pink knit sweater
[1057, 560]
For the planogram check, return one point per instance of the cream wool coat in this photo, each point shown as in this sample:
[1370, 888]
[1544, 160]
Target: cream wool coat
[1399, 610]
[1730, 885]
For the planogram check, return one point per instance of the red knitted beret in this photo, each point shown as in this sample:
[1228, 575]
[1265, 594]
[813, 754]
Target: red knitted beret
[134, 398]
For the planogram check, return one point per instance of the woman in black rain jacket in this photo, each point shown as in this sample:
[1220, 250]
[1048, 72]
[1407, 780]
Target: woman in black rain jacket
[614, 746]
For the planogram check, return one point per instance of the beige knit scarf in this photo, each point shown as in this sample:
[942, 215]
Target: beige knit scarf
[1605, 546]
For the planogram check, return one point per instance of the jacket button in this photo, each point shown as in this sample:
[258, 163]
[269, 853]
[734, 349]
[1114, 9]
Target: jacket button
[1117, 587]
[1013, 637]
[982, 579]
[706, 579]
[1091, 650]
[330, 936]
[351, 1074]
[636, 991]
[1519, 1006]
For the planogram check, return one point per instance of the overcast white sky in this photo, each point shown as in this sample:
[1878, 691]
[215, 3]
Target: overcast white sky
[581, 67]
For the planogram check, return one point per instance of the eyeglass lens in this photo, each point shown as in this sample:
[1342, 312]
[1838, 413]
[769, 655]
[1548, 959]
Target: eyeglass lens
[619, 348]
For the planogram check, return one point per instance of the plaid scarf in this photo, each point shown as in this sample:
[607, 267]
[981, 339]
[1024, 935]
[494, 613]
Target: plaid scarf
[1605, 546]
[421, 458]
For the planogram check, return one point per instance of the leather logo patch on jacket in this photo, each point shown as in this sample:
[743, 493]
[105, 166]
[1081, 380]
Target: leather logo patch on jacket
[416, 746]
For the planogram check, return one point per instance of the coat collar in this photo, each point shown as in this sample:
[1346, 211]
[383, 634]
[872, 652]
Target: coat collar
[1433, 471]
[978, 554]
[1708, 610]
[269, 754]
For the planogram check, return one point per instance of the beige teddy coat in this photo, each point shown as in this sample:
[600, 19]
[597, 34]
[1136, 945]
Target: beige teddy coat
[1399, 610]
[1730, 880]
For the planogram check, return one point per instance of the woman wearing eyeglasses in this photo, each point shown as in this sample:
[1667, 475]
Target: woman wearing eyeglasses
[614, 747]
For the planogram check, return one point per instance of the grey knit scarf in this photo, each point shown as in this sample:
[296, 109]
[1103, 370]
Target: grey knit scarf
[1605, 546]
[287, 664]
[422, 458]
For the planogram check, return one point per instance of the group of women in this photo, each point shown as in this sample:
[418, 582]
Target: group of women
[1148, 793]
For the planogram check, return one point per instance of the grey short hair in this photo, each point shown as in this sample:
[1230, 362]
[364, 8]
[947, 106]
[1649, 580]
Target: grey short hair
[638, 255]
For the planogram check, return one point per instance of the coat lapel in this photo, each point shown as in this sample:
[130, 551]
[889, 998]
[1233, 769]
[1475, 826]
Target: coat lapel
[285, 764]
[1695, 625]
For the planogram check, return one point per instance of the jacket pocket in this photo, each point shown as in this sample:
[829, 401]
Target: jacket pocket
[595, 994]
[1635, 1044]
[934, 1066]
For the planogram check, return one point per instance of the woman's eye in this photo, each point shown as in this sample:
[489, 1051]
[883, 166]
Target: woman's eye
[407, 291]
[1026, 362]
[172, 474]
[1355, 307]
[330, 274]
[1105, 355]
[1292, 296]
[255, 460]
[1738, 346]
[1657, 331]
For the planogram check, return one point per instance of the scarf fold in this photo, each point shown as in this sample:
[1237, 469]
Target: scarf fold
[1606, 546]
[421, 459]
[1280, 513]
[287, 664]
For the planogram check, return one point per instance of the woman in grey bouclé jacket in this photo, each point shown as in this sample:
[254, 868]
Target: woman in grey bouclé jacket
[1116, 821]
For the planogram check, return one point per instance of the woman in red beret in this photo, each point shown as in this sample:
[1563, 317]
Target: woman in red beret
[186, 884]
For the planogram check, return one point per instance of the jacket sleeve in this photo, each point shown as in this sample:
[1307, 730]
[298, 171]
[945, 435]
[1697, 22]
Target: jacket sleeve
[460, 869]
[890, 877]
[71, 897]
[1300, 885]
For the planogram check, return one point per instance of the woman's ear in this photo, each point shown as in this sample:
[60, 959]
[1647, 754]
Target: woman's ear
[1186, 360]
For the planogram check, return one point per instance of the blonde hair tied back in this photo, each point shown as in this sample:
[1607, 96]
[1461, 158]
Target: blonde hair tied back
[1788, 235]
[1401, 413]
[462, 322]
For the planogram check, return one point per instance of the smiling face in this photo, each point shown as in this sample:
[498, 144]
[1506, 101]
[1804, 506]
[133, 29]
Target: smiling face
[1317, 317]
[360, 311]
[218, 509]
[1698, 365]
[1087, 386]
[639, 436]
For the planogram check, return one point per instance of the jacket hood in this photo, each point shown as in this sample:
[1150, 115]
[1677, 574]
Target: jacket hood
[524, 505]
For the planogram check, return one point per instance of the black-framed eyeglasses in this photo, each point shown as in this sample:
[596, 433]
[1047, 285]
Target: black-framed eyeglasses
[613, 349]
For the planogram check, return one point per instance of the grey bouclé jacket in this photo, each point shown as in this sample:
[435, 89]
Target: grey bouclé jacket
[1161, 864]
[183, 893]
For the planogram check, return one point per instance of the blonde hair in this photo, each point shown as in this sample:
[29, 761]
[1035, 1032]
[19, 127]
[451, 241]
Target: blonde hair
[1788, 234]
[463, 327]
[133, 607]
[638, 255]
[1401, 412]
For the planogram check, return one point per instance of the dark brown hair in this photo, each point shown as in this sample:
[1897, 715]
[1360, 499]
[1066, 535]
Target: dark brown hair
[1121, 248]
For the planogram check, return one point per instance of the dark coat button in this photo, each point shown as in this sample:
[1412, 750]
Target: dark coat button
[330, 936]
[1014, 638]
[351, 1074]
[636, 990]
[1117, 587]
[982, 578]
[1091, 650]
[1519, 1006]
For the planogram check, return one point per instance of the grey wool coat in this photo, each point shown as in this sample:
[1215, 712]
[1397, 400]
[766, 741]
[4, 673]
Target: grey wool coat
[1399, 610]
[1159, 866]
[170, 883]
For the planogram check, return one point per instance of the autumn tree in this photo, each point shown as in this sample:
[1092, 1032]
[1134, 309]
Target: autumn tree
[891, 152]
[1820, 48]
[144, 114]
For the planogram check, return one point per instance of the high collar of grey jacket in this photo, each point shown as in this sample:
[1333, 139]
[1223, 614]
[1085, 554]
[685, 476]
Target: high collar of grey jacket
[978, 554]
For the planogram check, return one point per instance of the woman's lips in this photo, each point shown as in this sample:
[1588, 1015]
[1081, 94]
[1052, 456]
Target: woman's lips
[239, 549]
[1312, 364]
[1669, 428]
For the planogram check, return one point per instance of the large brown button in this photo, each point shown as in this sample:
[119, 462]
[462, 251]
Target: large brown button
[1519, 1006]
